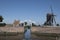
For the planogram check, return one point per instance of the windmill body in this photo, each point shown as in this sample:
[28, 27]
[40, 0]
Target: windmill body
[50, 19]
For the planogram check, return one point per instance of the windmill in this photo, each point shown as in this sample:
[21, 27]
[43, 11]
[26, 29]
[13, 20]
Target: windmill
[50, 18]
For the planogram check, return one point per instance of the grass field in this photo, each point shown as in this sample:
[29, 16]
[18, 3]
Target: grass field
[38, 33]
[20, 36]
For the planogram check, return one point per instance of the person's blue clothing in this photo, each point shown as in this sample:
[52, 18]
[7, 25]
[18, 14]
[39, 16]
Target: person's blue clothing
[28, 34]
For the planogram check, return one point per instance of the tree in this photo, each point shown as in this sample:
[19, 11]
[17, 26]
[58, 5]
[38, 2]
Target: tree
[2, 24]
[22, 24]
[25, 23]
[33, 24]
[1, 18]
[39, 25]
[57, 25]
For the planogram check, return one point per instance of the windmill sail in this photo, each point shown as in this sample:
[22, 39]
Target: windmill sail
[53, 16]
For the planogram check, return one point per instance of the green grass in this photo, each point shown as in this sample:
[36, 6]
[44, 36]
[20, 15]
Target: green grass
[18, 36]
[9, 33]
[46, 34]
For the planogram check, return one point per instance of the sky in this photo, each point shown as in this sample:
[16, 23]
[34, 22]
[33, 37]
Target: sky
[34, 10]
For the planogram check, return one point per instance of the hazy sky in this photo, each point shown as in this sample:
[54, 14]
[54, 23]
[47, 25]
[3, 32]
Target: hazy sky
[35, 10]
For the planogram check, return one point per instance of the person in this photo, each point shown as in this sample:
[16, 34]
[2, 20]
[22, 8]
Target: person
[27, 33]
